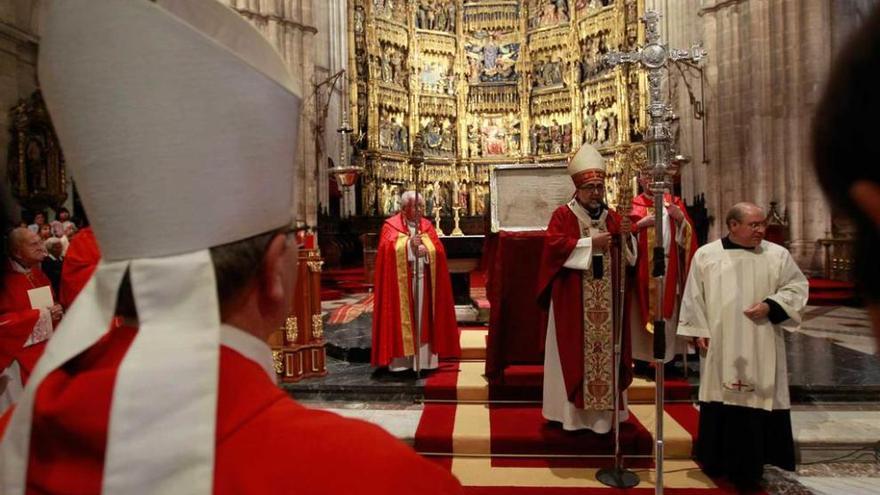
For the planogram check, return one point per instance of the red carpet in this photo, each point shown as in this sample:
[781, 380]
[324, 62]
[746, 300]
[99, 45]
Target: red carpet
[824, 292]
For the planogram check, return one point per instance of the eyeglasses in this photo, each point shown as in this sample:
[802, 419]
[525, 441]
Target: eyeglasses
[757, 225]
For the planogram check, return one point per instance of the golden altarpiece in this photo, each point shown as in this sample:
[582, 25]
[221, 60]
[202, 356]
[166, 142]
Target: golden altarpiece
[487, 82]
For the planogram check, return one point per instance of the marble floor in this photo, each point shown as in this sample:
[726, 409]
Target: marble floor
[834, 377]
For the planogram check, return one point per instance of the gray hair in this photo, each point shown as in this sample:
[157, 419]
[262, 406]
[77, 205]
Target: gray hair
[738, 211]
[409, 197]
[16, 237]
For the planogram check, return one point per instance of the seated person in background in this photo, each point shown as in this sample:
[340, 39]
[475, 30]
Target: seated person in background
[408, 239]
[39, 221]
[61, 222]
[52, 264]
[22, 327]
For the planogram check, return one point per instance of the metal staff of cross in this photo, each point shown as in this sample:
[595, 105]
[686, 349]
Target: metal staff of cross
[654, 57]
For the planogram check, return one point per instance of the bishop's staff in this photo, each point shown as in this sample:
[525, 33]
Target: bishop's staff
[617, 476]
[417, 159]
[654, 56]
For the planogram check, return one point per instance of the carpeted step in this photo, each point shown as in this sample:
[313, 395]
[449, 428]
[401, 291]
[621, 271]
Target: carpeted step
[524, 383]
[473, 343]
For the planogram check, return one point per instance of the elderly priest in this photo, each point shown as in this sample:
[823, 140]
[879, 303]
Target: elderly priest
[167, 109]
[577, 284]
[407, 239]
[741, 295]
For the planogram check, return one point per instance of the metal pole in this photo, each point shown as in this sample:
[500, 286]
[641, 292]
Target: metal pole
[618, 477]
[660, 145]
[417, 158]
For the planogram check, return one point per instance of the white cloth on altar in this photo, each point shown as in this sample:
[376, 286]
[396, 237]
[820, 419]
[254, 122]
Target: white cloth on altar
[745, 364]
[642, 340]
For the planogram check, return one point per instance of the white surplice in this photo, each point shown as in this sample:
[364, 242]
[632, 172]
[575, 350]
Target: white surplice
[745, 364]
[556, 405]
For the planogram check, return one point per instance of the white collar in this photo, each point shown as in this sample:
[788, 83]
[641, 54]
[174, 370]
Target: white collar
[18, 267]
[250, 347]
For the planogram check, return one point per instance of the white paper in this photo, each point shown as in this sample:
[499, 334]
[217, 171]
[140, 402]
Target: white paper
[41, 297]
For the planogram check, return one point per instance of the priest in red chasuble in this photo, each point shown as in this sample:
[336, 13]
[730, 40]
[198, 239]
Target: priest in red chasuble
[24, 326]
[577, 281]
[401, 245]
[680, 244]
[180, 396]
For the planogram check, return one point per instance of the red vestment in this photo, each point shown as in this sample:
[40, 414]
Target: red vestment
[79, 264]
[17, 319]
[564, 287]
[679, 260]
[266, 442]
[394, 320]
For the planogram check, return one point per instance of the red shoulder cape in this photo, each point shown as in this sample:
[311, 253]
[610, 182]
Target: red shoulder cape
[266, 442]
[80, 262]
[17, 319]
[679, 260]
[565, 288]
[441, 330]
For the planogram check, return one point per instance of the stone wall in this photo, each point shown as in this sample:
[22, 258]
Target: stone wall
[18, 79]
[289, 25]
[766, 68]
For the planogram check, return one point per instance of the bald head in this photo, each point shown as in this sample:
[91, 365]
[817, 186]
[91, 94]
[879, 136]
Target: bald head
[747, 224]
[26, 247]
[740, 210]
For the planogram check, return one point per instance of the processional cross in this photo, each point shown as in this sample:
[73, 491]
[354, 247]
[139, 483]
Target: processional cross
[653, 57]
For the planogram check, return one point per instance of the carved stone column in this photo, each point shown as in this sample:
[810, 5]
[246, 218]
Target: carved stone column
[764, 75]
[289, 26]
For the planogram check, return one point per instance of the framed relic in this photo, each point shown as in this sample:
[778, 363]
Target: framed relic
[523, 197]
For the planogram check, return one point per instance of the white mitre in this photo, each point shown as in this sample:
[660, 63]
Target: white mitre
[178, 121]
[587, 164]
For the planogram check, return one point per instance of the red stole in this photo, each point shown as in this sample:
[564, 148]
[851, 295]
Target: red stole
[565, 287]
[393, 314]
[679, 258]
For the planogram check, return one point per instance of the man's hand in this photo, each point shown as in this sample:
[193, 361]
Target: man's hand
[57, 312]
[645, 222]
[675, 212]
[703, 343]
[757, 311]
[601, 240]
[418, 247]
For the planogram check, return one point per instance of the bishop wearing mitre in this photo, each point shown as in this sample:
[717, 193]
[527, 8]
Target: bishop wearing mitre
[578, 285]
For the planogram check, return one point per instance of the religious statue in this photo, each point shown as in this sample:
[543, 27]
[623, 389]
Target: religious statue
[602, 130]
[387, 73]
[433, 136]
[555, 137]
[473, 141]
[490, 61]
[479, 199]
[512, 123]
[386, 133]
[589, 121]
[493, 138]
